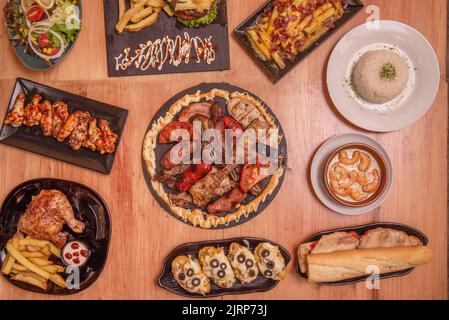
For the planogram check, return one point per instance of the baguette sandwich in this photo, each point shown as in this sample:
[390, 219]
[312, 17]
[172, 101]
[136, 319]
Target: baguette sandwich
[346, 255]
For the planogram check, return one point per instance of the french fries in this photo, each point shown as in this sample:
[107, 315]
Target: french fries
[140, 14]
[28, 261]
[284, 31]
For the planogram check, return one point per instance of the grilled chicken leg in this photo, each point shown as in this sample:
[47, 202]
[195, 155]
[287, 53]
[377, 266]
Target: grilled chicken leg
[46, 215]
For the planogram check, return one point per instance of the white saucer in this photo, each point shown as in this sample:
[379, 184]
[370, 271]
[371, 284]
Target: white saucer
[317, 170]
[413, 103]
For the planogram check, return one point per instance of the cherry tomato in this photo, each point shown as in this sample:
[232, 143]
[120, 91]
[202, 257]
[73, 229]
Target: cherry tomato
[75, 245]
[44, 41]
[76, 261]
[68, 256]
[76, 254]
[35, 14]
[84, 253]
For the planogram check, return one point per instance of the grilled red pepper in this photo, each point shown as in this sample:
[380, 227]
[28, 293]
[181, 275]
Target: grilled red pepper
[193, 175]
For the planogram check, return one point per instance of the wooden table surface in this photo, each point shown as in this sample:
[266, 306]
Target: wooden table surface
[143, 234]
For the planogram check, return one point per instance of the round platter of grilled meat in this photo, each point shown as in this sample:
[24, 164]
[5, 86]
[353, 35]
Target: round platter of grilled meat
[214, 156]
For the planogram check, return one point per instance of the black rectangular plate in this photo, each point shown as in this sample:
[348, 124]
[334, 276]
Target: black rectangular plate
[261, 284]
[165, 26]
[360, 230]
[31, 139]
[351, 9]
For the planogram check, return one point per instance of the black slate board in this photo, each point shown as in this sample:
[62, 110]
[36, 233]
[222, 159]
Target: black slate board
[32, 139]
[360, 230]
[261, 284]
[165, 26]
[87, 205]
[35, 63]
[352, 7]
[162, 149]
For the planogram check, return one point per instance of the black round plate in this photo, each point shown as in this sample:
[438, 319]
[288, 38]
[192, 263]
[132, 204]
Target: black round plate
[360, 230]
[261, 284]
[162, 149]
[87, 205]
[35, 63]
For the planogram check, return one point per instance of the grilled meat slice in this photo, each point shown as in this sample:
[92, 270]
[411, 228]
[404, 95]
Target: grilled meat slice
[60, 115]
[16, 117]
[167, 160]
[227, 202]
[183, 200]
[244, 112]
[79, 133]
[199, 108]
[46, 215]
[166, 175]
[47, 118]
[215, 184]
[32, 115]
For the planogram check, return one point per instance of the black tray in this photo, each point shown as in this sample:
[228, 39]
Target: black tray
[32, 139]
[360, 230]
[35, 63]
[162, 149]
[165, 26]
[87, 205]
[261, 284]
[352, 8]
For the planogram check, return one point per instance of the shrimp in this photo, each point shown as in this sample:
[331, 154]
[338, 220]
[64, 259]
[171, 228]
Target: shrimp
[373, 185]
[338, 172]
[353, 177]
[362, 179]
[358, 196]
[341, 189]
[365, 162]
[343, 158]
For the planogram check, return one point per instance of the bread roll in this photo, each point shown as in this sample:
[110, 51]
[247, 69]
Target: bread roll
[337, 266]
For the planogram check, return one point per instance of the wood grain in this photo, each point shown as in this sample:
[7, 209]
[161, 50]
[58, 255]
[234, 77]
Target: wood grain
[143, 234]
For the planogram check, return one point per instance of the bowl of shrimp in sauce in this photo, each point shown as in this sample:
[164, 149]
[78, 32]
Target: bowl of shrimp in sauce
[356, 175]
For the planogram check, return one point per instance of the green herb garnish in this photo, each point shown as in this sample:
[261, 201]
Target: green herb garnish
[388, 72]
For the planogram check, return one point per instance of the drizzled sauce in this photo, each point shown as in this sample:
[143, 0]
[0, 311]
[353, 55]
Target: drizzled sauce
[173, 51]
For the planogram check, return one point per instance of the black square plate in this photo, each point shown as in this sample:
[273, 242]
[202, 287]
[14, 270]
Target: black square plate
[165, 26]
[352, 7]
[32, 139]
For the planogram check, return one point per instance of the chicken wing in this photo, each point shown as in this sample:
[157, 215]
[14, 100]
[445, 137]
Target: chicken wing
[93, 134]
[46, 215]
[68, 127]
[46, 110]
[60, 115]
[32, 115]
[16, 116]
[108, 139]
[79, 133]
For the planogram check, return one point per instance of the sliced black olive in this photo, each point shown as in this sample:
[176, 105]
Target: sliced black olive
[249, 263]
[221, 273]
[196, 282]
[268, 273]
[182, 276]
[214, 263]
[270, 265]
[252, 273]
[265, 253]
[190, 272]
[223, 266]
[241, 258]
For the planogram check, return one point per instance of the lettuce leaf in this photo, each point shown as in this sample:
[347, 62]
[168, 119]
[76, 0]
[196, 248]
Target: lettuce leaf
[67, 34]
